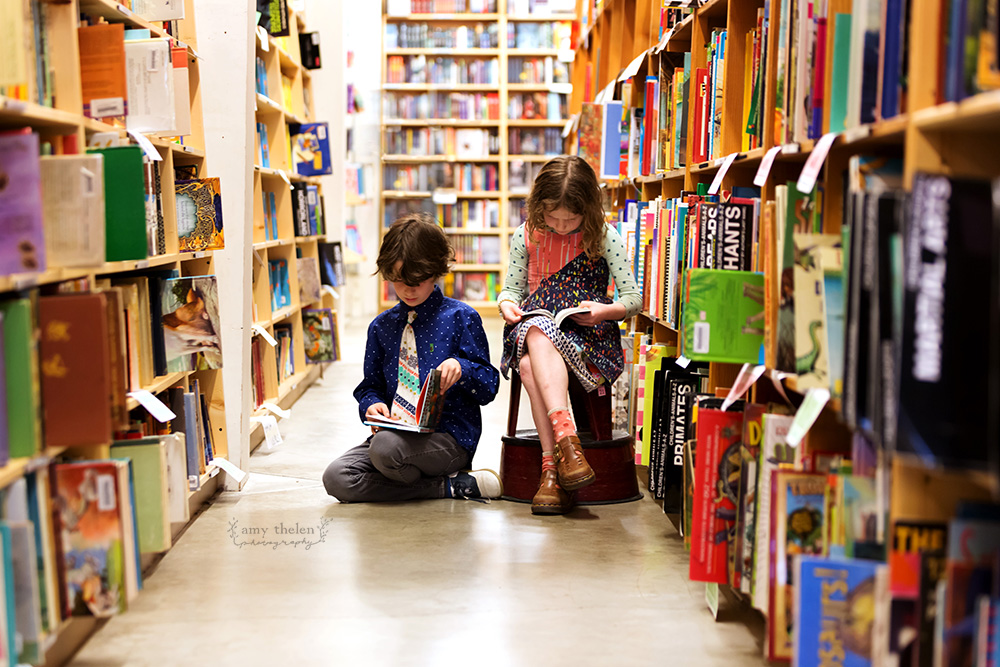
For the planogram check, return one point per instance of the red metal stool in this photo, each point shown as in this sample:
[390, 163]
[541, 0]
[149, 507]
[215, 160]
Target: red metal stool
[610, 454]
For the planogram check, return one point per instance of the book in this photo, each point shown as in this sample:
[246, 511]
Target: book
[558, 318]
[149, 468]
[318, 336]
[774, 452]
[124, 203]
[150, 82]
[22, 238]
[20, 346]
[190, 323]
[309, 282]
[103, 71]
[74, 367]
[73, 209]
[311, 149]
[722, 317]
[199, 214]
[430, 404]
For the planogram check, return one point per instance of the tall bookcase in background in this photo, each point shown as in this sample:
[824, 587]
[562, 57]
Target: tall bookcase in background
[49, 102]
[474, 101]
[289, 229]
[840, 156]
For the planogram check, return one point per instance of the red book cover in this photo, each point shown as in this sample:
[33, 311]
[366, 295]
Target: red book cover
[720, 437]
[649, 128]
[74, 365]
[700, 149]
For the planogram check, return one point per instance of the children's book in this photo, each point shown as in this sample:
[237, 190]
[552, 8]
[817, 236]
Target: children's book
[199, 214]
[723, 317]
[429, 407]
[190, 322]
[311, 150]
[317, 333]
[559, 317]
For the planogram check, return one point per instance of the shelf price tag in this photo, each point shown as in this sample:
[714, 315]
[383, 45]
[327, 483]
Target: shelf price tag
[683, 361]
[154, 405]
[806, 415]
[717, 183]
[566, 55]
[748, 375]
[262, 34]
[271, 407]
[284, 177]
[765, 167]
[810, 172]
[148, 149]
[568, 127]
[272, 436]
[231, 469]
[265, 335]
[562, 88]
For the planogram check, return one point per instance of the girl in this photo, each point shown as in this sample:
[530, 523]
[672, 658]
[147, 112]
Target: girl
[565, 255]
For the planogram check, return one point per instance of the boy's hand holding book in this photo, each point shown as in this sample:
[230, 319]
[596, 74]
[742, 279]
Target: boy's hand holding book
[377, 410]
[451, 372]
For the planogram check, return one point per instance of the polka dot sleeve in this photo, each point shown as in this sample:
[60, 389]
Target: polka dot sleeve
[515, 285]
[617, 258]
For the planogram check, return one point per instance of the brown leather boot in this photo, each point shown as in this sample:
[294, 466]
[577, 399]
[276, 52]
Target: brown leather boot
[573, 470]
[551, 498]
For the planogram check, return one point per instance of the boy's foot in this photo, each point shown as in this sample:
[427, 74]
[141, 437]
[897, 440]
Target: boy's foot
[574, 471]
[551, 498]
[476, 485]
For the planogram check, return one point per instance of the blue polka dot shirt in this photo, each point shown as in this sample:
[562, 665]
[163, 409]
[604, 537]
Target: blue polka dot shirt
[444, 328]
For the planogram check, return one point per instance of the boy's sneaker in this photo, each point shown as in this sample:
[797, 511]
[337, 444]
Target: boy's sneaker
[481, 485]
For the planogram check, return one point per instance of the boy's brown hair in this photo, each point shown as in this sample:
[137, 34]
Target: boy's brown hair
[569, 182]
[419, 246]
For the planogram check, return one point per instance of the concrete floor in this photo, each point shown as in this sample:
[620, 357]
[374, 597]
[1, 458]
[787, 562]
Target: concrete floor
[423, 583]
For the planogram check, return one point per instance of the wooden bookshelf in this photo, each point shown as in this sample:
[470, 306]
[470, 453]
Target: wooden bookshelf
[501, 126]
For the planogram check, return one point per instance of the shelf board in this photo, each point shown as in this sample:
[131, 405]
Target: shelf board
[536, 122]
[436, 122]
[17, 113]
[978, 113]
[532, 158]
[418, 194]
[655, 178]
[540, 52]
[16, 468]
[657, 321]
[19, 281]
[530, 87]
[542, 18]
[465, 231]
[394, 159]
[289, 384]
[265, 103]
[749, 157]
[442, 51]
[158, 385]
[356, 201]
[180, 149]
[308, 239]
[476, 267]
[458, 87]
[283, 314]
[463, 17]
[714, 9]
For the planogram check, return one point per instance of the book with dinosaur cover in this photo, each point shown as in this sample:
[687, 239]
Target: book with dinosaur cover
[429, 407]
[190, 323]
[199, 214]
[723, 316]
[812, 349]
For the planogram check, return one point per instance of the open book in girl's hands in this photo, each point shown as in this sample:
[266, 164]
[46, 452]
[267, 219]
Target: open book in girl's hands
[429, 407]
[557, 317]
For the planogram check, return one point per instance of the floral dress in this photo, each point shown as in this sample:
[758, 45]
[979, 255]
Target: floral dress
[549, 270]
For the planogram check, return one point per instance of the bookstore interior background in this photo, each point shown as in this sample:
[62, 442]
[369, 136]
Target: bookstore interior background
[192, 196]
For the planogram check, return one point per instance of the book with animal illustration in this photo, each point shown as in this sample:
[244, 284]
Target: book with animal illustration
[723, 316]
[558, 318]
[199, 214]
[812, 356]
[311, 149]
[429, 407]
[190, 322]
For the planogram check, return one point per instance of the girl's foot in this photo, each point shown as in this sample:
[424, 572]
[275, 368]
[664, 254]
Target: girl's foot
[551, 498]
[573, 470]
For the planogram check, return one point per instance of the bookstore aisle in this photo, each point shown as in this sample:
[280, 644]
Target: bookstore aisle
[423, 583]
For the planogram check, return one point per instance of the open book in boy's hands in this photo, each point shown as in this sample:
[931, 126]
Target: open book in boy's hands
[557, 317]
[429, 407]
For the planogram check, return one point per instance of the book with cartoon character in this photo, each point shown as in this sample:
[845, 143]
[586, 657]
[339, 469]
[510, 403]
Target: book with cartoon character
[311, 149]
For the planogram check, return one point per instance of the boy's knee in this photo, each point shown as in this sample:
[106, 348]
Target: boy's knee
[384, 448]
[338, 482]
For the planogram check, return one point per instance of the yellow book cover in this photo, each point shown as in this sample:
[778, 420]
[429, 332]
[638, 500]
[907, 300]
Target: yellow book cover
[286, 92]
[655, 354]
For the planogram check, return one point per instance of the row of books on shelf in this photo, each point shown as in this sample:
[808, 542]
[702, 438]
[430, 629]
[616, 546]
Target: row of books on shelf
[542, 35]
[476, 249]
[309, 147]
[321, 345]
[457, 106]
[284, 351]
[521, 174]
[404, 7]
[464, 214]
[540, 8]
[464, 177]
[537, 70]
[427, 36]
[310, 280]
[77, 210]
[442, 70]
[536, 106]
[535, 141]
[356, 185]
[73, 531]
[426, 141]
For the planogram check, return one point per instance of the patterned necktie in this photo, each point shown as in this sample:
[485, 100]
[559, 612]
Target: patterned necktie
[408, 387]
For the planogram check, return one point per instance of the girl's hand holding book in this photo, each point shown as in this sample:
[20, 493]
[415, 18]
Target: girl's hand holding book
[511, 312]
[598, 313]
[451, 372]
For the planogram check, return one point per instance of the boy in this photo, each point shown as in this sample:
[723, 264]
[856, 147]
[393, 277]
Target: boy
[426, 330]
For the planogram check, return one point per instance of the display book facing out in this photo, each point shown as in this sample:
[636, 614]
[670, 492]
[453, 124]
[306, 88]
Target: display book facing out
[108, 300]
[296, 271]
[461, 136]
[856, 269]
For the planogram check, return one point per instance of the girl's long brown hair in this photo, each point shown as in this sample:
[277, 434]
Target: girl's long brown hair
[569, 182]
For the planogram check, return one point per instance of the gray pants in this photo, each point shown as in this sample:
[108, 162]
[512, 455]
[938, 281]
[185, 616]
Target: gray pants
[396, 465]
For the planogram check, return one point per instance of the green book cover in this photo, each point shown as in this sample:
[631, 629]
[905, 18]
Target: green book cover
[841, 72]
[723, 317]
[149, 468]
[22, 386]
[124, 203]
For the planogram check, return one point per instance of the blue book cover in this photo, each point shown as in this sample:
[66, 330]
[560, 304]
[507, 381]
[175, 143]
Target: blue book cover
[834, 611]
[893, 58]
[311, 150]
[611, 145]
[191, 440]
[312, 201]
[7, 566]
[274, 215]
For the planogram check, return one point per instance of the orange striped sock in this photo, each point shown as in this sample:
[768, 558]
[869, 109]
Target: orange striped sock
[562, 423]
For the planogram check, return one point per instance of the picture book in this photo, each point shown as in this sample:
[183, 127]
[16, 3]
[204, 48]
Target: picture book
[973, 559]
[774, 452]
[746, 506]
[191, 323]
[723, 316]
[311, 150]
[199, 214]
[558, 318]
[87, 499]
[318, 335]
[835, 608]
[309, 289]
[429, 407]
[811, 341]
[22, 240]
[797, 527]
[149, 468]
[719, 436]
[590, 134]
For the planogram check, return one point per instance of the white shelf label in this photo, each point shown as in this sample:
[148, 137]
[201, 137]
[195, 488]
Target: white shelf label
[271, 407]
[265, 335]
[806, 415]
[154, 405]
[726, 164]
[633, 66]
[272, 436]
[765, 167]
[444, 197]
[148, 149]
[810, 172]
[748, 375]
[239, 475]
[262, 35]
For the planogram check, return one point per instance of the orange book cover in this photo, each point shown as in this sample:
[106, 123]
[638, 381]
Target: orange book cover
[102, 70]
